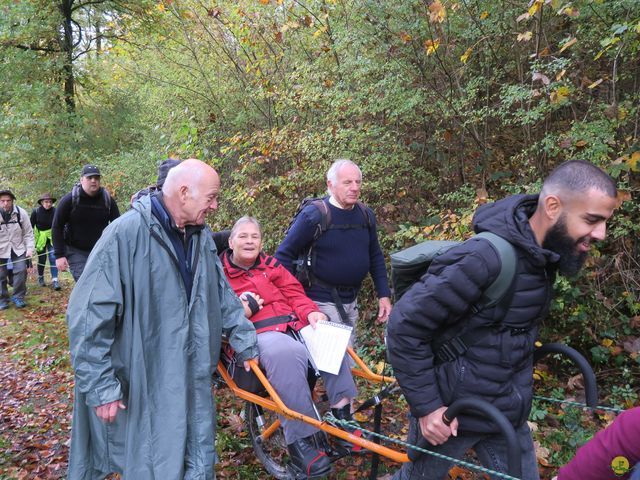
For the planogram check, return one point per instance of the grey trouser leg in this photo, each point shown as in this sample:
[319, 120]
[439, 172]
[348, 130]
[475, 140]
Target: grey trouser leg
[3, 279]
[77, 259]
[285, 361]
[491, 450]
[341, 385]
[19, 276]
[331, 311]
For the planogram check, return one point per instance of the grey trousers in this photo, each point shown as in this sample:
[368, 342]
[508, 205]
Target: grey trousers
[285, 362]
[491, 450]
[19, 276]
[77, 259]
[351, 309]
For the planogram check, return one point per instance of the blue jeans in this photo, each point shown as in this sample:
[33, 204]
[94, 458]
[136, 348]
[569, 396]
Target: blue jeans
[491, 450]
[42, 260]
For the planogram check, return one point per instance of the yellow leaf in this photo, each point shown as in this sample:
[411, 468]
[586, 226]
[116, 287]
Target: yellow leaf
[431, 46]
[607, 342]
[379, 368]
[633, 161]
[595, 84]
[533, 9]
[406, 38]
[160, 7]
[437, 12]
[320, 31]
[622, 113]
[525, 37]
[570, 12]
[560, 74]
[484, 15]
[465, 56]
[560, 94]
[568, 44]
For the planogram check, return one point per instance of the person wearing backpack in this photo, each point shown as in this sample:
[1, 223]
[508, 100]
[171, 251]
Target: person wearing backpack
[331, 246]
[488, 350]
[41, 221]
[79, 220]
[17, 246]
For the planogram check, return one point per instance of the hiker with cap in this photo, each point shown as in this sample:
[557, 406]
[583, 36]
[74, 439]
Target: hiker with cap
[16, 245]
[41, 221]
[79, 220]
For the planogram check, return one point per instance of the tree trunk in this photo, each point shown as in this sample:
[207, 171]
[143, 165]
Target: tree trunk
[67, 49]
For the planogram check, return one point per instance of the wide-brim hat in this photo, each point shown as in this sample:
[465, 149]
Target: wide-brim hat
[46, 196]
[7, 192]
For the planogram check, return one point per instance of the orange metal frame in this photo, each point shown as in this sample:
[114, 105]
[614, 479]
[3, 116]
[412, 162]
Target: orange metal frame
[275, 404]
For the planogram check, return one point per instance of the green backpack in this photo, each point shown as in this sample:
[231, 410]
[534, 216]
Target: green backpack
[409, 265]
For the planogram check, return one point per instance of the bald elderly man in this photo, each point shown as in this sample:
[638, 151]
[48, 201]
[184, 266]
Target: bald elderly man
[145, 325]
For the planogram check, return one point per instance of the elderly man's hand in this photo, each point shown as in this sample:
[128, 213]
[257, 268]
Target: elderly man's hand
[62, 264]
[315, 317]
[107, 412]
[384, 309]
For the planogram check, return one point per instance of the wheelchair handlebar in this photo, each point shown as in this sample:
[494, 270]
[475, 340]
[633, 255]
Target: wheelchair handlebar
[590, 386]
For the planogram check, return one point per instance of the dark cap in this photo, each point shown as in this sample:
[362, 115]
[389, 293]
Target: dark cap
[164, 168]
[46, 196]
[7, 192]
[90, 171]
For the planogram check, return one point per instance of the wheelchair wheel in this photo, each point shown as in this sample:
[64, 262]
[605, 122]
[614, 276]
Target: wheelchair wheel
[272, 451]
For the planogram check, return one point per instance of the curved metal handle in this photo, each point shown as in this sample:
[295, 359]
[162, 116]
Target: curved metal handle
[590, 386]
[482, 407]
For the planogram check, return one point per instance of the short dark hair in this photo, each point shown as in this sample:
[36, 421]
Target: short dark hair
[577, 176]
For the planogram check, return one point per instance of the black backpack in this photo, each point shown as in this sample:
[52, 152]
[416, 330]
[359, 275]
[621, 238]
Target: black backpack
[409, 265]
[304, 265]
[75, 198]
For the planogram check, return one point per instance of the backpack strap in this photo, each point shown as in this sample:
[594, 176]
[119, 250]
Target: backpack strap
[499, 294]
[75, 198]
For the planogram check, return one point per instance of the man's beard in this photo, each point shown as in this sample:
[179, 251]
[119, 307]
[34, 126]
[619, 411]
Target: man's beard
[558, 240]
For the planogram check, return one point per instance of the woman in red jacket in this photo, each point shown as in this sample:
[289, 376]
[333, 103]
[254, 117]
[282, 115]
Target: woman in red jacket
[276, 303]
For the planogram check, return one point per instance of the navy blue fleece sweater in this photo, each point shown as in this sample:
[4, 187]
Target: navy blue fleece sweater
[343, 256]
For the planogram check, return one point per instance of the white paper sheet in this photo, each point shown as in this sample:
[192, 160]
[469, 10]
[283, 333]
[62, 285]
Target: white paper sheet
[327, 344]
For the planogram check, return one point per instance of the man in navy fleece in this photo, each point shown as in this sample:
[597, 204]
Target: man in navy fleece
[345, 253]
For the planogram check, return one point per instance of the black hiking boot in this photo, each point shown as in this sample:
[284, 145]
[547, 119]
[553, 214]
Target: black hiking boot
[344, 413]
[307, 460]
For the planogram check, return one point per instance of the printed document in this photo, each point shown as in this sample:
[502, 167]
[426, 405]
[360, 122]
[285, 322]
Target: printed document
[327, 344]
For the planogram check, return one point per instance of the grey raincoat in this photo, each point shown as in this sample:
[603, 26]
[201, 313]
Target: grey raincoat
[135, 336]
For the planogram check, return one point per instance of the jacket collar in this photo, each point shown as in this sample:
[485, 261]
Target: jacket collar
[234, 270]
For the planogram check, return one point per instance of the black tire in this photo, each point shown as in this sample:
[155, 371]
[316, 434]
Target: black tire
[272, 452]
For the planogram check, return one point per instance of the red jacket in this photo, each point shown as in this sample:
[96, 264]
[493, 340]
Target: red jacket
[281, 292]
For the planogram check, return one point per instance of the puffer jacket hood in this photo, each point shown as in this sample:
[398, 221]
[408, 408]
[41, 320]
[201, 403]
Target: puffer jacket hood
[509, 218]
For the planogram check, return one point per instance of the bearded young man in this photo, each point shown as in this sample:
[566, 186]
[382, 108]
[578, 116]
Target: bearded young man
[550, 233]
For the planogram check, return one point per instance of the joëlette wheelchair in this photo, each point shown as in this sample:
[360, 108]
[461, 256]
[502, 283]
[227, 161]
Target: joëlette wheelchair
[263, 404]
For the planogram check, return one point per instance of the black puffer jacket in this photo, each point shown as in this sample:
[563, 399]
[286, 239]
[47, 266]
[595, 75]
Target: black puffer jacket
[499, 368]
